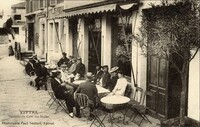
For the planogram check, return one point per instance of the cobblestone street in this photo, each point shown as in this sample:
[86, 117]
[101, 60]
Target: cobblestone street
[16, 96]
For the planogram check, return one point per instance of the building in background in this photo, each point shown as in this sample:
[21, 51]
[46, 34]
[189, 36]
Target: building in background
[18, 13]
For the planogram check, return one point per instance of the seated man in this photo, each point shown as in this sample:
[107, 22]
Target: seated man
[42, 74]
[72, 68]
[69, 64]
[63, 60]
[66, 80]
[98, 74]
[61, 92]
[120, 86]
[89, 88]
[105, 77]
[29, 67]
[80, 70]
[113, 78]
[30, 70]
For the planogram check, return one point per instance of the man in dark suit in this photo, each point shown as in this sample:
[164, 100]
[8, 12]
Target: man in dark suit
[63, 60]
[80, 69]
[89, 88]
[61, 92]
[29, 67]
[104, 81]
[42, 74]
[98, 73]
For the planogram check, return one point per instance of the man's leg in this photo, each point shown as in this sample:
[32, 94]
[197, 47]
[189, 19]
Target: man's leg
[92, 107]
[37, 80]
[77, 110]
[70, 103]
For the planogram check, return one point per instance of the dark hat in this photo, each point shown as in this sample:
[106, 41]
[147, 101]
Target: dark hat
[71, 56]
[64, 53]
[78, 58]
[114, 69]
[89, 75]
[104, 66]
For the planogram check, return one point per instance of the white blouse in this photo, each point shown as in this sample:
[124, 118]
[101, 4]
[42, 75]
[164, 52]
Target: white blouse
[120, 87]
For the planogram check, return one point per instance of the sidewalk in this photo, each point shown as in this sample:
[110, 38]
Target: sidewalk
[17, 96]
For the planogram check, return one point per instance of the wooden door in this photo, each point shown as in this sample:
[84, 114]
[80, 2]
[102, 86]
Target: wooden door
[157, 83]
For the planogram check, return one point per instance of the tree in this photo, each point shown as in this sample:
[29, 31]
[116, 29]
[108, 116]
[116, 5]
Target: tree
[172, 29]
[8, 26]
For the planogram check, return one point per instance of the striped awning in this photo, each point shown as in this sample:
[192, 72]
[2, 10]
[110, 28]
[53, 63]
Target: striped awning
[93, 10]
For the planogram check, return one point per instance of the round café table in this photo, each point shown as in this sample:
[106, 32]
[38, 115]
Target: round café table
[114, 100]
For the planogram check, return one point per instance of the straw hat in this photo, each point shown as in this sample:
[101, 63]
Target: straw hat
[114, 69]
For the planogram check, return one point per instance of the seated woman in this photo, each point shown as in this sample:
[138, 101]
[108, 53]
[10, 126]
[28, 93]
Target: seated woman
[120, 87]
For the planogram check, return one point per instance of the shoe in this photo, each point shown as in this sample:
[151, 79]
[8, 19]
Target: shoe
[71, 115]
[78, 115]
[38, 88]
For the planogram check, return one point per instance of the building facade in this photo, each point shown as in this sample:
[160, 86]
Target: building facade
[18, 13]
[93, 31]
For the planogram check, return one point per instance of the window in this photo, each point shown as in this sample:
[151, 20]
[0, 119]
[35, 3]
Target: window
[60, 1]
[30, 6]
[13, 10]
[16, 30]
[52, 2]
[17, 17]
[42, 4]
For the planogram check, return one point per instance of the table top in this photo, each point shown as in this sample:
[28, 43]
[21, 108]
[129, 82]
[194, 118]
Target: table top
[115, 99]
[101, 89]
[51, 66]
[79, 81]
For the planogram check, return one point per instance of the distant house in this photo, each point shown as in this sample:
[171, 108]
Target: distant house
[18, 16]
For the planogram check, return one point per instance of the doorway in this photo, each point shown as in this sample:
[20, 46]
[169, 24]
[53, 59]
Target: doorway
[94, 45]
[164, 81]
[31, 36]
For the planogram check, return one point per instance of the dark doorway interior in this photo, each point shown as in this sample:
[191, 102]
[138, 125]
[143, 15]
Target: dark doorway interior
[74, 30]
[94, 55]
[31, 36]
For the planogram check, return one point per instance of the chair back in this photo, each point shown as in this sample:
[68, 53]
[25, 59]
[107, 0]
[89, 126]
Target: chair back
[82, 99]
[128, 90]
[138, 93]
[147, 94]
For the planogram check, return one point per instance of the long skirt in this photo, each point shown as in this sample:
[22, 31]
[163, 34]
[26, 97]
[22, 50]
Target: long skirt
[10, 51]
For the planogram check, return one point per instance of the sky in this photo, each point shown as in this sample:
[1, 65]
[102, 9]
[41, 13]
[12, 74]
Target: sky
[5, 5]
